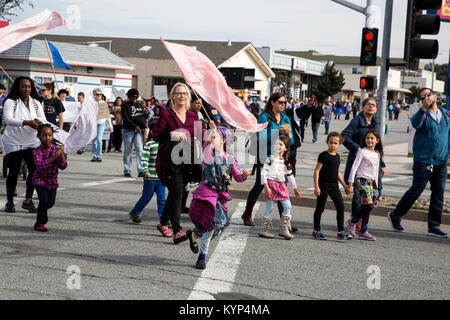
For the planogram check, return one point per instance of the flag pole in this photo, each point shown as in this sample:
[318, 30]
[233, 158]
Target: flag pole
[6, 74]
[51, 62]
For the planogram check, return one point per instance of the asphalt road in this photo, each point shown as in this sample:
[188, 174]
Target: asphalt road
[89, 230]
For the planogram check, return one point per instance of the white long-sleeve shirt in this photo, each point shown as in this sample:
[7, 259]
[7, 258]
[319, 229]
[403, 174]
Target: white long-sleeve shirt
[366, 165]
[17, 136]
[277, 171]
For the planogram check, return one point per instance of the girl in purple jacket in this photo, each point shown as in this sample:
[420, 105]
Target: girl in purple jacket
[208, 210]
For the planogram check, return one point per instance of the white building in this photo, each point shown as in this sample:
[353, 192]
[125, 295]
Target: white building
[91, 67]
[398, 81]
[423, 78]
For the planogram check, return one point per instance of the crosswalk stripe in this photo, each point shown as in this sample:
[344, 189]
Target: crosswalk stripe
[223, 264]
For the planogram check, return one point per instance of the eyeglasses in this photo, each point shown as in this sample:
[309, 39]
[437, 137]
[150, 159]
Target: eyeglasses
[99, 94]
[370, 104]
[180, 93]
[281, 102]
[429, 94]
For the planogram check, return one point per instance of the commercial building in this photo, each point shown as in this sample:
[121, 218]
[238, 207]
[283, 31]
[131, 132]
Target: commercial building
[156, 72]
[295, 76]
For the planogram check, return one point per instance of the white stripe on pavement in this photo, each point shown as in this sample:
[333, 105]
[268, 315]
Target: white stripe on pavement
[97, 183]
[223, 264]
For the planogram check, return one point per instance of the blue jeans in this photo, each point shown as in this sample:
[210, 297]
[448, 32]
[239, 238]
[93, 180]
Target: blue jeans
[149, 189]
[315, 129]
[421, 175]
[131, 137]
[269, 206]
[97, 142]
[327, 126]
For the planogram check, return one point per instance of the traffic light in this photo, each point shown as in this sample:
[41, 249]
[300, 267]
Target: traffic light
[418, 24]
[368, 83]
[369, 47]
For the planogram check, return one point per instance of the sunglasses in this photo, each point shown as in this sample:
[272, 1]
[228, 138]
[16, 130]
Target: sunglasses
[281, 102]
[429, 94]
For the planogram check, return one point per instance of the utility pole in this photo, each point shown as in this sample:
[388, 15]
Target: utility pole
[368, 24]
[380, 116]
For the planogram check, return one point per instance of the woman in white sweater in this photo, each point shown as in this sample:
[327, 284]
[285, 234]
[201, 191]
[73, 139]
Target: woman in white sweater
[23, 113]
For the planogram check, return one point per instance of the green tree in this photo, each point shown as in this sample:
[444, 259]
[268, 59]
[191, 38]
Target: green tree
[414, 95]
[8, 6]
[442, 74]
[332, 83]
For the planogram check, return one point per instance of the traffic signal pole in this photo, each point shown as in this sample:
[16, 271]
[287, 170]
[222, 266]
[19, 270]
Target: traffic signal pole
[380, 116]
[368, 24]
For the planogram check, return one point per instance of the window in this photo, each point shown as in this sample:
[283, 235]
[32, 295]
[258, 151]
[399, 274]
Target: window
[357, 70]
[105, 82]
[71, 79]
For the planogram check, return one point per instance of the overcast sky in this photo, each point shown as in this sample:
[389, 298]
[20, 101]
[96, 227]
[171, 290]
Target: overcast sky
[320, 25]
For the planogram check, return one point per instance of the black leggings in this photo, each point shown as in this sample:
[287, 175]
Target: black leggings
[333, 191]
[172, 208]
[47, 199]
[14, 161]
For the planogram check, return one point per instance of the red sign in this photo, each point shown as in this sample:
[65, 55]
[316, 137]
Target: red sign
[4, 24]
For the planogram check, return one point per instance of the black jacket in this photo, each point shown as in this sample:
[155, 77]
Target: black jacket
[133, 115]
[316, 113]
[303, 112]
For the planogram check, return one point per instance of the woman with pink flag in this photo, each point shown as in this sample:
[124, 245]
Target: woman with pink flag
[166, 131]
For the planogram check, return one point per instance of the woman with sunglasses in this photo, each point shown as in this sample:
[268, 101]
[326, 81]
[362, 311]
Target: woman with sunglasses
[277, 120]
[101, 123]
[53, 107]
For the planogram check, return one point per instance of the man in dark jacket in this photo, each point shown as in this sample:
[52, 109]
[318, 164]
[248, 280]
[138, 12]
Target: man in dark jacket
[303, 113]
[134, 121]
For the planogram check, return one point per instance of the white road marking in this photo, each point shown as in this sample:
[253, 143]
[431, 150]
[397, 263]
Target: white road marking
[97, 183]
[222, 265]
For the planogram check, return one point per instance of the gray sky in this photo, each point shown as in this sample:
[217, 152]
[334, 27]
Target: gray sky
[320, 25]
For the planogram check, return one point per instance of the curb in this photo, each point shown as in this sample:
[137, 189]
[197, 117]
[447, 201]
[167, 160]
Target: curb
[413, 214]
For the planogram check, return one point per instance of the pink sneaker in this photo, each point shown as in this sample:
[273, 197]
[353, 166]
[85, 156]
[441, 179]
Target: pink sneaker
[180, 236]
[351, 227]
[164, 230]
[40, 227]
[366, 236]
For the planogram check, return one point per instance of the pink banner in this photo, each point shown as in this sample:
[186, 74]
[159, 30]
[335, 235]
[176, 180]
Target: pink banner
[204, 77]
[30, 27]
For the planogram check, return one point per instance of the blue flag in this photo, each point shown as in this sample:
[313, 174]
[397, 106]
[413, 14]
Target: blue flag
[56, 56]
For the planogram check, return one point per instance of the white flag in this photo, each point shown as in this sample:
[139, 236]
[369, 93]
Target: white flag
[85, 128]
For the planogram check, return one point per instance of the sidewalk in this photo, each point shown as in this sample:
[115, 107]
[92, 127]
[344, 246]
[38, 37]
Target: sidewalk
[397, 163]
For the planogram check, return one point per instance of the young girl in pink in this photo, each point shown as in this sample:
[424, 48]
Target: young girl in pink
[208, 209]
[48, 159]
[273, 177]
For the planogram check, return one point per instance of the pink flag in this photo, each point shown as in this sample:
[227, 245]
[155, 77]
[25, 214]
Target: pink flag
[28, 28]
[204, 77]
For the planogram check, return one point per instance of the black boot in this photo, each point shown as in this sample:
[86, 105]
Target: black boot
[247, 215]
